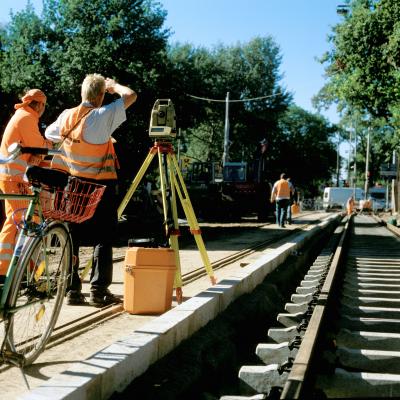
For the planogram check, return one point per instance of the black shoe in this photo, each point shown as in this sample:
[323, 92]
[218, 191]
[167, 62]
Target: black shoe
[102, 298]
[75, 298]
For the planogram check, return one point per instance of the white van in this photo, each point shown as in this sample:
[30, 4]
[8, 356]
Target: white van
[378, 196]
[336, 197]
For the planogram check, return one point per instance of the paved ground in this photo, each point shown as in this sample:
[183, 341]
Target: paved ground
[220, 242]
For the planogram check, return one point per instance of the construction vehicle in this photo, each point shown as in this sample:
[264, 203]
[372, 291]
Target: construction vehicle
[228, 192]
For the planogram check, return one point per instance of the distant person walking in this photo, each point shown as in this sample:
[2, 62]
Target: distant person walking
[350, 205]
[292, 200]
[281, 195]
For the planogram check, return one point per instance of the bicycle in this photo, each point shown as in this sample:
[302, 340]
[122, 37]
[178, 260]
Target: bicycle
[41, 265]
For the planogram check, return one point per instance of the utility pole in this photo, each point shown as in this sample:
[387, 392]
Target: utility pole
[348, 161]
[337, 163]
[225, 156]
[179, 147]
[394, 210]
[367, 166]
[355, 157]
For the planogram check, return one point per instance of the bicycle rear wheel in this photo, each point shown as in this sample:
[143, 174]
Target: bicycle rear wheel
[37, 291]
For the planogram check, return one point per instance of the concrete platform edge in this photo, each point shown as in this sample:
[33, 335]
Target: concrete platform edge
[114, 367]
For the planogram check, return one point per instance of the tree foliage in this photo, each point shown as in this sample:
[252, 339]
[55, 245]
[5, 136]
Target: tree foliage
[127, 40]
[362, 67]
[363, 76]
[246, 71]
[306, 151]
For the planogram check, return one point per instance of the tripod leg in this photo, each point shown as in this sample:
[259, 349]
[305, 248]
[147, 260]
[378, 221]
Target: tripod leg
[163, 184]
[174, 234]
[190, 215]
[135, 182]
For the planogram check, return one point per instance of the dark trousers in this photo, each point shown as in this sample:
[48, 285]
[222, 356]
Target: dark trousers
[281, 209]
[98, 232]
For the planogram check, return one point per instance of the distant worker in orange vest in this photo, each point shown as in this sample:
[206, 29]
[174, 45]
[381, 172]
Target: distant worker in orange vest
[350, 205]
[84, 134]
[281, 195]
[292, 200]
[23, 128]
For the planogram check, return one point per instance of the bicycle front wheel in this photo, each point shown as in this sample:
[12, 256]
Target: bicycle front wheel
[37, 291]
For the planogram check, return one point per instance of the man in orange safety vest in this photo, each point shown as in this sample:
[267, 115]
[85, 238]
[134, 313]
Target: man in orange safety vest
[87, 152]
[281, 195]
[23, 128]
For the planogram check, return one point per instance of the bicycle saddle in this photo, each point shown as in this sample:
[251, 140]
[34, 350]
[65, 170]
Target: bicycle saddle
[52, 178]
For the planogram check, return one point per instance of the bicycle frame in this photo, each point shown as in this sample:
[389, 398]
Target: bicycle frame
[34, 204]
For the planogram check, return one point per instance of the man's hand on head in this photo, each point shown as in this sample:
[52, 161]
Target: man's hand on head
[110, 85]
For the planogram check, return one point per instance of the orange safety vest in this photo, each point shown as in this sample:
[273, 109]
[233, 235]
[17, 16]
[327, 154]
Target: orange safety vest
[283, 189]
[23, 129]
[80, 158]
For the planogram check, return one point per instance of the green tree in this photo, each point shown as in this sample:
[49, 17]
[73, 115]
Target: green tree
[304, 150]
[121, 39]
[23, 62]
[246, 71]
[362, 67]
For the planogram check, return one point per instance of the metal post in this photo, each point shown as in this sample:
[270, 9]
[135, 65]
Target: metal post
[355, 157]
[337, 163]
[393, 185]
[387, 195]
[225, 156]
[348, 161]
[367, 166]
[179, 147]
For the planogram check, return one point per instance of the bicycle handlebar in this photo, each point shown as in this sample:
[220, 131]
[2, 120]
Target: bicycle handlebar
[39, 150]
[15, 149]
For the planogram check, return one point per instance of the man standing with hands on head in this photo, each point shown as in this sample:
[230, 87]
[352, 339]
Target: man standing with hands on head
[87, 152]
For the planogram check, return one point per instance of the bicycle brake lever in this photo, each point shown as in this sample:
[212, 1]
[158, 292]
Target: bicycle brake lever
[14, 150]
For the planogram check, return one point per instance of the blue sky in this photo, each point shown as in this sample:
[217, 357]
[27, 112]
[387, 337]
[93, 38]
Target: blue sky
[299, 27]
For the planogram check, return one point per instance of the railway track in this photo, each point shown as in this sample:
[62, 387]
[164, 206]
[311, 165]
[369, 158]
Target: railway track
[340, 334]
[73, 339]
[78, 326]
[84, 323]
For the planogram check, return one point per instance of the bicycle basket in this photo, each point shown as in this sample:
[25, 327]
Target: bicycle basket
[76, 202]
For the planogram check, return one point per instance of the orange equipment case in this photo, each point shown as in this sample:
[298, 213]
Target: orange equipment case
[148, 280]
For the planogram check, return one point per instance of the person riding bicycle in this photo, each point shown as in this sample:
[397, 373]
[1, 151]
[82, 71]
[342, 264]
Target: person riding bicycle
[87, 151]
[22, 128]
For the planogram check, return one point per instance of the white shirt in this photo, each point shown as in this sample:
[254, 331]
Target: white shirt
[99, 125]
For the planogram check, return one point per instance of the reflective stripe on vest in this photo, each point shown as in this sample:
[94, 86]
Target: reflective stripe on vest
[16, 167]
[283, 189]
[80, 158]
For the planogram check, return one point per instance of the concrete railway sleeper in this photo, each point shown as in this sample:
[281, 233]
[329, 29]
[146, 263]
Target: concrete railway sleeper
[280, 354]
[338, 346]
[365, 360]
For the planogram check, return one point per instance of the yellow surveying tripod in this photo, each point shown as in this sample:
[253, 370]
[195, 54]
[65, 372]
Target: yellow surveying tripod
[171, 178]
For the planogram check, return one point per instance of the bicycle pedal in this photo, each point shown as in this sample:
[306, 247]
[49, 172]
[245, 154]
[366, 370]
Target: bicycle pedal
[16, 359]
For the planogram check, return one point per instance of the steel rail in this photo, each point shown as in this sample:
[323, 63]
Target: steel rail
[297, 384]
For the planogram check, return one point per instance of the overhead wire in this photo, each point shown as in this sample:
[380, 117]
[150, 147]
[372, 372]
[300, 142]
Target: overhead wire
[232, 101]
